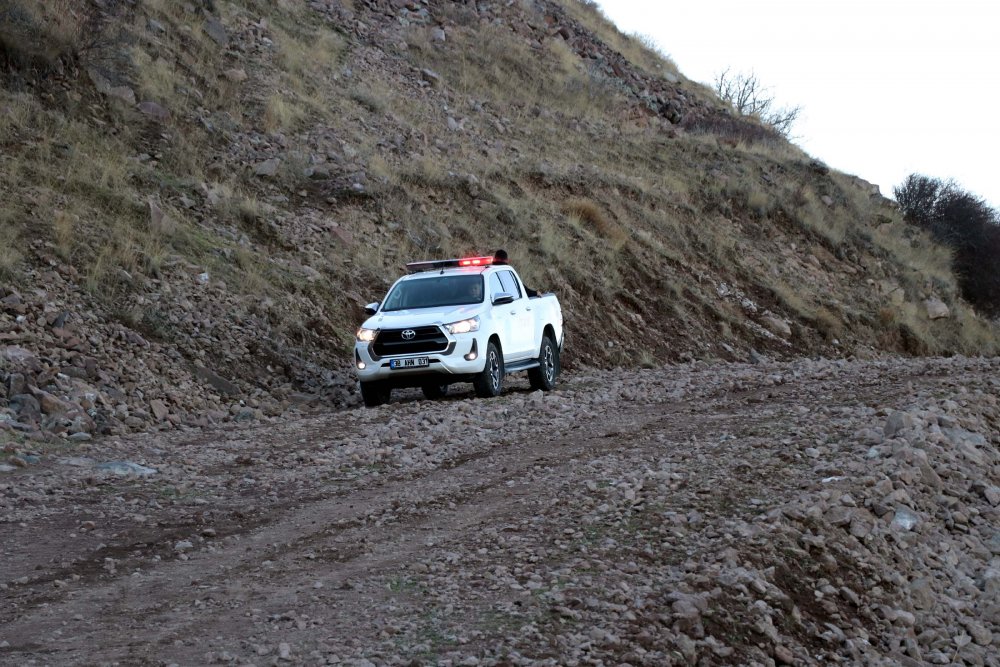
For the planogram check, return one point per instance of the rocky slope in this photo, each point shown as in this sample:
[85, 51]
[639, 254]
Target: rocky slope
[800, 513]
[199, 197]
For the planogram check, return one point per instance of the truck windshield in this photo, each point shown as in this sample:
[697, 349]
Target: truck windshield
[435, 292]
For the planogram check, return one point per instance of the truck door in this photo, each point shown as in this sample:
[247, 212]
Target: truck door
[523, 335]
[507, 323]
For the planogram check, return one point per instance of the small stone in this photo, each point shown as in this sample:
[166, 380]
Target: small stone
[214, 29]
[125, 468]
[783, 655]
[905, 519]
[777, 326]
[980, 634]
[236, 74]
[123, 93]
[154, 110]
[431, 77]
[268, 168]
[159, 408]
[922, 594]
[897, 421]
[159, 221]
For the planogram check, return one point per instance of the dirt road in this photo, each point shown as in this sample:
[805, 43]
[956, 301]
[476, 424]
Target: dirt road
[811, 512]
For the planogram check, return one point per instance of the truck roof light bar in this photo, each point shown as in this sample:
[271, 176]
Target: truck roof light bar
[434, 264]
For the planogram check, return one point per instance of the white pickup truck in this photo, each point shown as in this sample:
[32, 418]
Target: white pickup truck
[457, 320]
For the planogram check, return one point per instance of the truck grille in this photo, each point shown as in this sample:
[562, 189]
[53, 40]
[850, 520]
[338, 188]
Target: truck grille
[391, 342]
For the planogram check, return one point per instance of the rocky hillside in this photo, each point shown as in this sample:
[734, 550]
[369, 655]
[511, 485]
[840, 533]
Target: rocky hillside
[198, 197]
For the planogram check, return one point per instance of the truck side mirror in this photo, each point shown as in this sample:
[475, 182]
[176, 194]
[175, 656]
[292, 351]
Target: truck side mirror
[372, 308]
[503, 298]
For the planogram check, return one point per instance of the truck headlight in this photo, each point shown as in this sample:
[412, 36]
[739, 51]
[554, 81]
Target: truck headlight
[366, 335]
[463, 326]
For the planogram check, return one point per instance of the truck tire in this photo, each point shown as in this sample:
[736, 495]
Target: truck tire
[544, 377]
[375, 394]
[434, 391]
[489, 382]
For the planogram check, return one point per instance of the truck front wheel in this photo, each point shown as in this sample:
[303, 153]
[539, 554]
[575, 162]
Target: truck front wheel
[544, 377]
[489, 382]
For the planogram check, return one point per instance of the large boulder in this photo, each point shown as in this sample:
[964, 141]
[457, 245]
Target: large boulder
[776, 325]
[26, 407]
[936, 309]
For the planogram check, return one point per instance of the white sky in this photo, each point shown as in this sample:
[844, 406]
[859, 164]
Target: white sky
[887, 87]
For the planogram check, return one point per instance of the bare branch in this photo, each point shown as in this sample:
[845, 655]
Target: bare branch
[748, 97]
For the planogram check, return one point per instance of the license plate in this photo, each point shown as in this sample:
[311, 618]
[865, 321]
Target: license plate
[413, 362]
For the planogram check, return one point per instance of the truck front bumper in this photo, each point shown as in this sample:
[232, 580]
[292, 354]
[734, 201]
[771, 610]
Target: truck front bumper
[459, 362]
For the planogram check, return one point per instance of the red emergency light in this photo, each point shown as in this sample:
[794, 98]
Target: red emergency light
[475, 261]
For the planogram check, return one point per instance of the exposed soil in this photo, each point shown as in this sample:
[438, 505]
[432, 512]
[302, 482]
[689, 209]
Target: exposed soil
[711, 514]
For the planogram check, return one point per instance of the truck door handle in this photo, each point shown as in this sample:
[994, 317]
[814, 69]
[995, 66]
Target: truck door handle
[513, 312]
[528, 308]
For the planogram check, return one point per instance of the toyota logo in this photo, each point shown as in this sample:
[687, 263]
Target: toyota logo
[409, 334]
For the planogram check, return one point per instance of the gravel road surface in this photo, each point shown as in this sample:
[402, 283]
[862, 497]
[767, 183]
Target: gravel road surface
[809, 512]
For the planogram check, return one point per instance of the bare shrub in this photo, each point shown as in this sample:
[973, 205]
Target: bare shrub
[749, 97]
[966, 224]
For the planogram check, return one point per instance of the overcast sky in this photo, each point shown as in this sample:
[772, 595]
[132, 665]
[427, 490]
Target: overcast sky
[887, 87]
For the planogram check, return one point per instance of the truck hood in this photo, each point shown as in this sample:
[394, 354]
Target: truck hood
[421, 317]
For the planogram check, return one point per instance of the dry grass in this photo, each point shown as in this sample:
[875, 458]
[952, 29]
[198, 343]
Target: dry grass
[40, 32]
[812, 214]
[427, 170]
[595, 219]
[495, 64]
[370, 101]
[828, 323]
[64, 226]
[976, 336]
[282, 112]
[916, 253]
[792, 300]
[158, 78]
[17, 112]
[303, 55]
[10, 253]
[236, 205]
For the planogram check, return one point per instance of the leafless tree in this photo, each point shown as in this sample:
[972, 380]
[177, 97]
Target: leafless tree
[749, 97]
